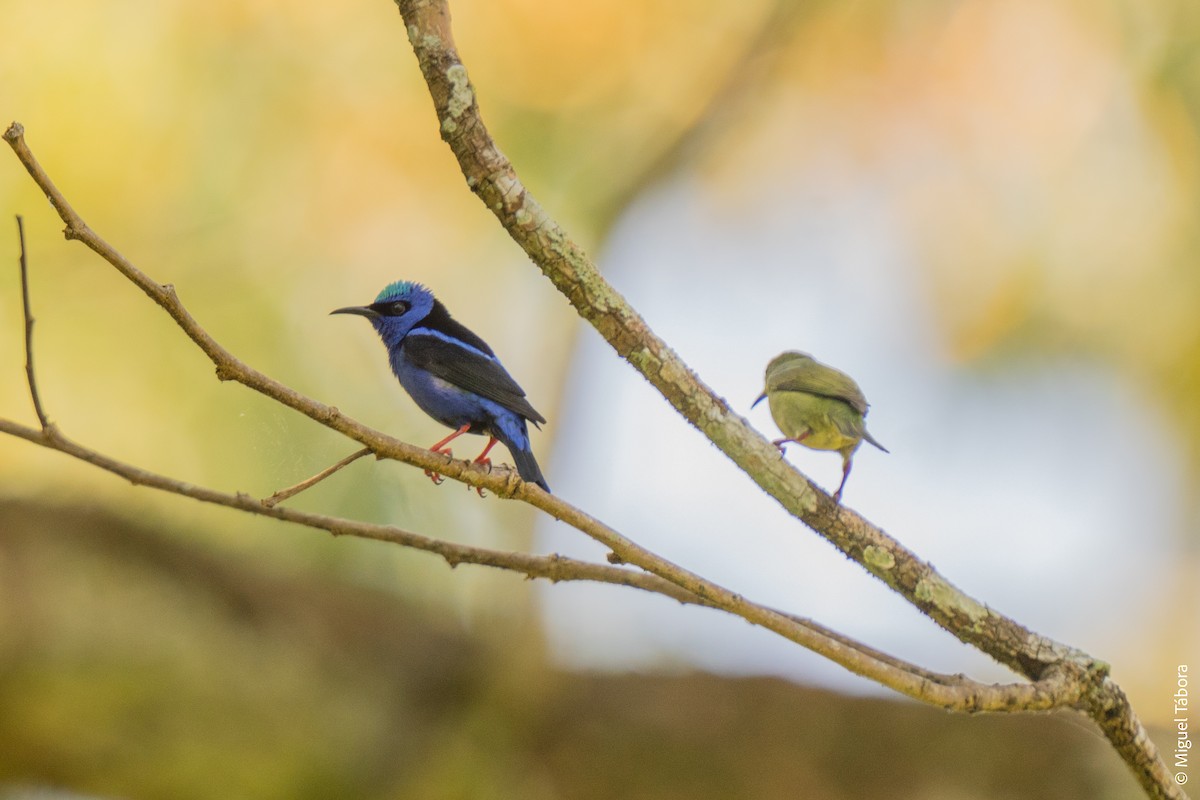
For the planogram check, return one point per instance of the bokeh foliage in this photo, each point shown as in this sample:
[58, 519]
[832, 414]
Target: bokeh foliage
[276, 160]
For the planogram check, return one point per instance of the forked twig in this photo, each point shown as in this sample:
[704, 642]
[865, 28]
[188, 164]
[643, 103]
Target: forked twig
[292, 491]
[25, 307]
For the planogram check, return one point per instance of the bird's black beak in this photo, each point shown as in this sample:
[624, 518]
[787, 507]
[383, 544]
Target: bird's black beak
[761, 397]
[362, 311]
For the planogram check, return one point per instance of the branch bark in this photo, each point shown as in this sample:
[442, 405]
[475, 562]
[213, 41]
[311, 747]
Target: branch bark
[491, 176]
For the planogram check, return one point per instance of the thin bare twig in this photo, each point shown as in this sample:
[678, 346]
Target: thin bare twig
[552, 567]
[25, 307]
[292, 491]
[954, 692]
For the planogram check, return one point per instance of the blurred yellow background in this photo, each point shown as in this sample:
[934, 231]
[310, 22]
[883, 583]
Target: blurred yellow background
[984, 210]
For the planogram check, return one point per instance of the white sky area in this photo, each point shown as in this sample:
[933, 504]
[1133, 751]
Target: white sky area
[1030, 489]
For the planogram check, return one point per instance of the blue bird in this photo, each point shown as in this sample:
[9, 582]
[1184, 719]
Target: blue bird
[452, 374]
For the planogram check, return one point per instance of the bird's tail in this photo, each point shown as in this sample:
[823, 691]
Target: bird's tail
[527, 466]
[871, 439]
[518, 445]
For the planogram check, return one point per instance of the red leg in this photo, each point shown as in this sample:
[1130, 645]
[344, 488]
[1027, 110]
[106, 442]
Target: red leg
[483, 459]
[846, 464]
[781, 443]
[440, 447]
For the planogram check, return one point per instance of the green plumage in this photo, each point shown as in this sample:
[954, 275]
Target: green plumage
[396, 289]
[817, 406]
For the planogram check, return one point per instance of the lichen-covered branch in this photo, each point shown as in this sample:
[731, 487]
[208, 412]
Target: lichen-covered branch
[492, 177]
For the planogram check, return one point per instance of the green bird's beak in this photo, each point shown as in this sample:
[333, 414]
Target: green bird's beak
[761, 397]
[362, 311]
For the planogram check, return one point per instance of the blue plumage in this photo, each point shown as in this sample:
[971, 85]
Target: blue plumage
[451, 374]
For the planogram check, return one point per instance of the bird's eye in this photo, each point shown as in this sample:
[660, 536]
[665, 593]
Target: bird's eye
[394, 308]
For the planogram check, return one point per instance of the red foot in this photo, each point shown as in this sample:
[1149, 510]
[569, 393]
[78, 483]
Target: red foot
[483, 460]
[441, 448]
[433, 476]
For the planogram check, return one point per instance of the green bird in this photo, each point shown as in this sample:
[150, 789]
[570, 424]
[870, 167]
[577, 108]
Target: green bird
[816, 406]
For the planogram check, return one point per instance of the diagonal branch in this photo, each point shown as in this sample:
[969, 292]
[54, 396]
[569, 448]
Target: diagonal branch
[491, 176]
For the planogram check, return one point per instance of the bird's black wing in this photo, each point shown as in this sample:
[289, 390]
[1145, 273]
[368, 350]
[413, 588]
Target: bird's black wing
[469, 369]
